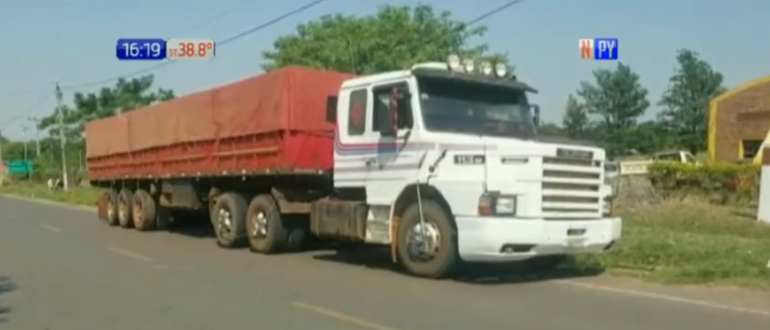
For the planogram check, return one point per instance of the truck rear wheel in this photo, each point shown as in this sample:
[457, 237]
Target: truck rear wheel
[144, 211]
[229, 225]
[125, 200]
[109, 200]
[435, 255]
[265, 228]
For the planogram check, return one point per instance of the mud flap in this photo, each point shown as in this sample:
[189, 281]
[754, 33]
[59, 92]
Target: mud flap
[101, 205]
[394, 239]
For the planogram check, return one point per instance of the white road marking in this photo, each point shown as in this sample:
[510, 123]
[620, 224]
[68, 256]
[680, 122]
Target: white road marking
[174, 267]
[130, 254]
[664, 297]
[342, 316]
[51, 228]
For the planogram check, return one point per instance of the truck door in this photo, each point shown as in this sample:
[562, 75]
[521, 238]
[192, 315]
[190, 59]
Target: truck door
[394, 165]
[353, 139]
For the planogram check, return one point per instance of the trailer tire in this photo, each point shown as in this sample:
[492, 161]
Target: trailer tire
[445, 258]
[109, 199]
[144, 211]
[125, 200]
[266, 229]
[230, 224]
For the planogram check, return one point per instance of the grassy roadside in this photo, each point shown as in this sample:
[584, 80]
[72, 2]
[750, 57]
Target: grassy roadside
[670, 243]
[692, 244]
[75, 195]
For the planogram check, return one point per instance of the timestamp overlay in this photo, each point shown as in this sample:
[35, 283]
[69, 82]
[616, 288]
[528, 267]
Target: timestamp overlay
[147, 49]
[190, 48]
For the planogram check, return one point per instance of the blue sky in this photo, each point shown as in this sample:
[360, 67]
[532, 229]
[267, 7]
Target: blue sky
[73, 41]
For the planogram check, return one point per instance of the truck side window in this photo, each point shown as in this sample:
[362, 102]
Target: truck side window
[357, 112]
[381, 109]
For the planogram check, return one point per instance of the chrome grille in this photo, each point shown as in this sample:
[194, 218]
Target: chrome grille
[571, 188]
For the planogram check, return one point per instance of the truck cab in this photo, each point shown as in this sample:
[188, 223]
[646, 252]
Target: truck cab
[448, 161]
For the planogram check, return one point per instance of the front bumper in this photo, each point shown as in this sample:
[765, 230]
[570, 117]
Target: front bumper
[485, 239]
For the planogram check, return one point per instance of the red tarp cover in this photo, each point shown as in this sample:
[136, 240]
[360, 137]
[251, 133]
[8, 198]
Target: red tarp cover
[291, 98]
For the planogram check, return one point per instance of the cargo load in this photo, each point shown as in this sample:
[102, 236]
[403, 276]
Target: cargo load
[274, 121]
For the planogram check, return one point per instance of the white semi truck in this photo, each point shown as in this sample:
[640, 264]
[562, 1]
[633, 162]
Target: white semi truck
[440, 161]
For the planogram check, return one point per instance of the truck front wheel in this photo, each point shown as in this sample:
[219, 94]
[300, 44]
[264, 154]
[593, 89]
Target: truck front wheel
[264, 226]
[125, 200]
[229, 224]
[430, 250]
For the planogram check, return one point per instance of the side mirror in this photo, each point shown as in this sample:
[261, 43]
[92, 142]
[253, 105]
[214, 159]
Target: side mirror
[331, 109]
[536, 114]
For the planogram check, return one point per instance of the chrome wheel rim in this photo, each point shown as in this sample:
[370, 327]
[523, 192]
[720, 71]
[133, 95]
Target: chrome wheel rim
[224, 221]
[423, 247]
[259, 225]
[110, 209]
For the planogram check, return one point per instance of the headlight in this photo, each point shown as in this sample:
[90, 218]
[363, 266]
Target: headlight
[505, 205]
[493, 203]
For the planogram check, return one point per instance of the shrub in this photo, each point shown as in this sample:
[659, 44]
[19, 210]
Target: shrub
[719, 182]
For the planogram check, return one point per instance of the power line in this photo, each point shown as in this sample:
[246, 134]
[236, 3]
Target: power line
[197, 26]
[26, 111]
[269, 23]
[493, 12]
[218, 43]
[218, 16]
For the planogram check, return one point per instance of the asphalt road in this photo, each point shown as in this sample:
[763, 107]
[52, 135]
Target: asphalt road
[60, 269]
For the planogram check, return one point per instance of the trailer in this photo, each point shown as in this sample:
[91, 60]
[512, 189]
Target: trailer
[439, 162]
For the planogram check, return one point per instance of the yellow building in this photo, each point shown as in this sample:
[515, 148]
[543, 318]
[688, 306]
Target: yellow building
[739, 122]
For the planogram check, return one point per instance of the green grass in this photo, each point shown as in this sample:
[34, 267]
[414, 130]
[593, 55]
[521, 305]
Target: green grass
[75, 195]
[694, 244]
[671, 243]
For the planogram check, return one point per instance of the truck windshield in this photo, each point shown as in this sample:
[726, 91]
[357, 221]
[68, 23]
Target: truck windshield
[474, 108]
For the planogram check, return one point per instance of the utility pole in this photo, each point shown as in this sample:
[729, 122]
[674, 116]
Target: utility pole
[2, 165]
[1, 148]
[26, 154]
[62, 142]
[37, 136]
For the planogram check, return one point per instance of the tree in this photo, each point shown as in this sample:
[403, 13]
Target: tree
[575, 120]
[617, 99]
[686, 100]
[550, 129]
[650, 137]
[395, 38]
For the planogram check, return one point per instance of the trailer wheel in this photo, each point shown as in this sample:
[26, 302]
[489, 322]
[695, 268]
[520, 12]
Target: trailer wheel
[230, 220]
[143, 211]
[109, 202]
[435, 256]
[125, 200]
[266, 229]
